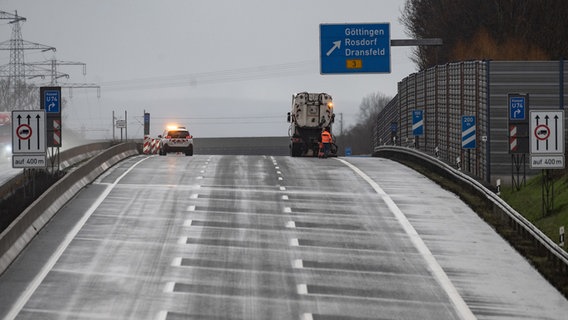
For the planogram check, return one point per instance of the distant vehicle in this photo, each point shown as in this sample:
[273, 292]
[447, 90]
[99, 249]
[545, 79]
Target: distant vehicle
[311, 112]
[176, 139]
[5, 135]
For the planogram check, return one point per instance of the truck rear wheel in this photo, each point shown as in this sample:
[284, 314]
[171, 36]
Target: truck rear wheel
[295, 149]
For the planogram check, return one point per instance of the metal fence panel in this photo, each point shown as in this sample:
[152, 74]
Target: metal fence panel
[474, 88]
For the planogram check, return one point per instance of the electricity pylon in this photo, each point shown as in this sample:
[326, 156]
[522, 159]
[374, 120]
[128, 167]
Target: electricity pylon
[54, 74]
[17, 70]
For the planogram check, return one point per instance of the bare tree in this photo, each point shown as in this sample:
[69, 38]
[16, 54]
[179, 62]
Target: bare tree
[482, 29]
[360, 136]
[21, 97]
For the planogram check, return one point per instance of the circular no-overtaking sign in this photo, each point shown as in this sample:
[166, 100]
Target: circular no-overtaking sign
[542, 132]
[24, 132]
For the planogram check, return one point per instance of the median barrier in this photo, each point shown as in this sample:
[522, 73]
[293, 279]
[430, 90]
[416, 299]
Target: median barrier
[22, 230]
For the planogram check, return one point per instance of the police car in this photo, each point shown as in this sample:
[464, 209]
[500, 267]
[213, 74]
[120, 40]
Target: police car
[176, 139]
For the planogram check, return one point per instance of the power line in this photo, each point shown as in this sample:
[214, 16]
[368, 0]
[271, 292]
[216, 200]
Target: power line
[221, 118]
[214, 77]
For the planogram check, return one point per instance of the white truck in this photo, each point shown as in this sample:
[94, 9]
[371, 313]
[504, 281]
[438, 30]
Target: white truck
[311, 112]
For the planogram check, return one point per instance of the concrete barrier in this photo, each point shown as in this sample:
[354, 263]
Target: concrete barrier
[20, 232]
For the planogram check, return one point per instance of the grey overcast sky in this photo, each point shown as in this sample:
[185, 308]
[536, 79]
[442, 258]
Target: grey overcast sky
[222, 68]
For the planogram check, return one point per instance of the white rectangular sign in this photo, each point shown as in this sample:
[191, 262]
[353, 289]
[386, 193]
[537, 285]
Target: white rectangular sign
[29, 161]
[546, 132]
[547, 162]
[28, 132]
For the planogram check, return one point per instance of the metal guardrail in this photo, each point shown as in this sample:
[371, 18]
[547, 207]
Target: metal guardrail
[523, 225]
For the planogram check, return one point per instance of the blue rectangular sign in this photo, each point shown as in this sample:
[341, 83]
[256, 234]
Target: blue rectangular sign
[517, 108]
[468, 132]
[417, 122]
[52, 101]
[355, 48]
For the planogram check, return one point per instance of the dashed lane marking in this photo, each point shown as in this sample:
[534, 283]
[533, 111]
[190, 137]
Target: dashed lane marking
[302, 288]
[176, 262]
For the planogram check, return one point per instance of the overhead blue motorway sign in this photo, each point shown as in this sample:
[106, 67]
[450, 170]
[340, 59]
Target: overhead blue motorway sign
[468, 132]
[355, 48]
[417, 122]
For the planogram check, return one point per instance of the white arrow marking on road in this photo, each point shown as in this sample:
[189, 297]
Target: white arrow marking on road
[336, 45]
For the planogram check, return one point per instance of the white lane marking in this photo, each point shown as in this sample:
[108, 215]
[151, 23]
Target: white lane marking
[176, 262]
[298, 264]
[285, 197]
[294, 242]
[302, 288]
[290, 224]
[169, 287]
[280, 178]
[25, 297]
[278, 172]
[287, 210]
[194, 196]
[461, 307]
[199, 178]
[277, 168]
[191, 208]
[307, 316]
[162, 315]
[282, 188]
[187, 223]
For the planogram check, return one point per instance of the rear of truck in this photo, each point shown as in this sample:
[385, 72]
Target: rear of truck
[311, 113]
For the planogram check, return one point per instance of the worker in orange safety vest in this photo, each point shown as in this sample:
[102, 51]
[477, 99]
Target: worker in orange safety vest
[326, 141]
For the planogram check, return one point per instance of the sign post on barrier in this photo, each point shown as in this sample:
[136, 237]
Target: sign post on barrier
[561, 236]
[417, 125]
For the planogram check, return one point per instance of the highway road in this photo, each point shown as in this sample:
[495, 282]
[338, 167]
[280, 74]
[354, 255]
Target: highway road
[270, 237]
